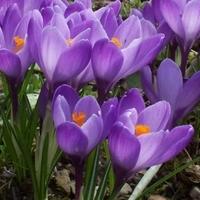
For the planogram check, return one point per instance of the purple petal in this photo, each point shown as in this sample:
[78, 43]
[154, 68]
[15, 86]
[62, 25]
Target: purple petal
[132, 99]
[172, 15]
[86, 3]
[61, 111]
[51, 47]
[47, 14]
[148, 12]
[175, 141]
[150, 146]
[147, 84]
[88, 105]
[109, 22]
[68, 93]
[169, 81]
[188, 96]
[155, 116]
[128, 30]
[11, 19]
[74, 7]
[148, 29]
[10, 64]
[124, 148]
[191, 19]
[129, 119]
[107, 60]
[92, 129]
[60, 23]
[72, 61]
[71, 140]
[109, 115]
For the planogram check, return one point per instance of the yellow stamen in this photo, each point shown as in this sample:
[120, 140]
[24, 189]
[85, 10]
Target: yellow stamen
[79, 118]
[116, 42]
[19, 43]
[69, 42]
[141, 129]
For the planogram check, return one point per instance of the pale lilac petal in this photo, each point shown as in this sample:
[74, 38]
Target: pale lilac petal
[172, 15]
[61, 111]
[155, 116]
[92, 129]
[88, 105]
[191, 20]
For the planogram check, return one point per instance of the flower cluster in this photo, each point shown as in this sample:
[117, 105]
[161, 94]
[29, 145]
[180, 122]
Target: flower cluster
[74, 45]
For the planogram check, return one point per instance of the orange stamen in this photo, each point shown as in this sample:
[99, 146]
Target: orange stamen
[141, 129]
[79, 118]
[19, 43]
[69, 42]
[116, 42]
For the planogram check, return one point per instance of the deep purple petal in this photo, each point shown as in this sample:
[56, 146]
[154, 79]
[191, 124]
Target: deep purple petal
[169, 81]
[11, 19]
[107, 60]
[147, 84]
[74, 7]
[109, 22]
[68, 93]
[155, 116]
[109, 115]
[131, 99]
[88, 105]
[92, 129]
[10, 64]
[188, 96]
[124, 148]
[72, 61]
[71, 140]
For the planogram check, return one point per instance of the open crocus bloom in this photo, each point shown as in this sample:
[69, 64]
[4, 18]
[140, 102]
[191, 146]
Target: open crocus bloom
[183, 17]
[78, 122]
[134, 44]
[14, 48]
[139, 139]
[182, 94]
[61, 53]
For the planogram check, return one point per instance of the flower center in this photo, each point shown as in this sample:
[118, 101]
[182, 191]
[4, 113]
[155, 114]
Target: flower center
[79, 118]
[141, 129]
[69, 42]
[116, 42]
[19, 43]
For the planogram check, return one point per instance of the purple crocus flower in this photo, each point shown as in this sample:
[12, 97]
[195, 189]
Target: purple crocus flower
[151, 11]
[139, 139]
[134, 44]
[14, 47]
[182, 94]
[183, 17]
[60, 56]
[78, 123]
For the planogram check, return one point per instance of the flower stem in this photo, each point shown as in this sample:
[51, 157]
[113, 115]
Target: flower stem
[79, 180]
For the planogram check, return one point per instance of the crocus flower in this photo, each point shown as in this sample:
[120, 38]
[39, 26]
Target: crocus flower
[78, 123]
[152, 12]
[182, 94]
[14, 48]
[183, 17]
[139, 139]
[60, 56]
[134, 44]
